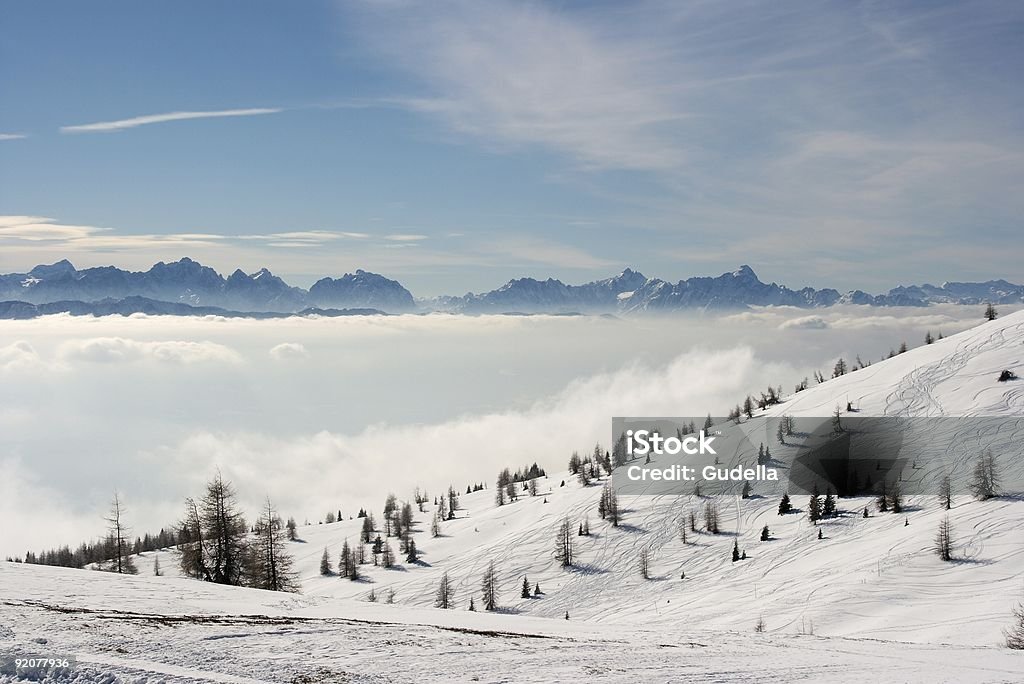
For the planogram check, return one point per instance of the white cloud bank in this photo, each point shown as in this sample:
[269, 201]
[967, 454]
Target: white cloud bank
[121, 350]
[328, 413]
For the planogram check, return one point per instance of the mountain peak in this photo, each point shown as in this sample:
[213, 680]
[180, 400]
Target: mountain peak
[744, 271]
[56, 269]
[628, 274]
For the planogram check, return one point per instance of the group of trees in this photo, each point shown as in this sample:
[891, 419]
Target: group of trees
[608, 505]
[530, 472]
[688, 523]
[214, 540]
[398, 522]
[446, 504]
[817, 508]
[890, 496]
[215, 543]
[984, 484]
[985, 477]
[592, 466]
[398, 518]
[105, 552]
[505, 489]
[444, 597]
[711, 517]
[771, 397]
[783, 429]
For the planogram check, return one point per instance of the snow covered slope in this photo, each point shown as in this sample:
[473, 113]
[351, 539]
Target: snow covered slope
[147, 630]
[874, 577]
[871, 592]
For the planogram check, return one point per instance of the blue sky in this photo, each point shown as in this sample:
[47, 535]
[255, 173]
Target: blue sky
[454, 145]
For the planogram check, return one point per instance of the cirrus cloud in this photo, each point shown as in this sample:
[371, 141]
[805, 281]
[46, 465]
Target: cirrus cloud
[134, 122]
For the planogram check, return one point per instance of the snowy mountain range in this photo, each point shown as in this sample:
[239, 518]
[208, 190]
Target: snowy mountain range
[190, 283]
[631, 291]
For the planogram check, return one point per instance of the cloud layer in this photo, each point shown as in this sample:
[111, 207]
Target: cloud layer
[329, 413]
[121, 350]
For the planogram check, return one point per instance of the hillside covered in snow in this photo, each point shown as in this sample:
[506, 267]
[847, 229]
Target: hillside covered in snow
[809, 603]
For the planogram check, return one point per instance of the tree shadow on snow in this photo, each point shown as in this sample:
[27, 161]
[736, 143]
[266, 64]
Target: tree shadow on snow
[586, 569]
[507, 610]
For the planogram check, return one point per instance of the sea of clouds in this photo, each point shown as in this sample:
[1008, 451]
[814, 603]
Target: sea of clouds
[322, 414]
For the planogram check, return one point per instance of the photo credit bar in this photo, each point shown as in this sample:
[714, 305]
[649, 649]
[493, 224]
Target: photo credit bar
[773, 455]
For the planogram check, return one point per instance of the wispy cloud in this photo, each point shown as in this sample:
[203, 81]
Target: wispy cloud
[28, 240]
[838, 127]
[12, 136]
[515, 74]
[41, 229]
[308, 237]
[405, 237]
[134, 122]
